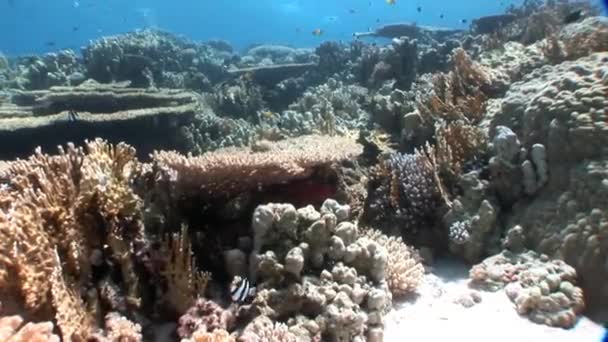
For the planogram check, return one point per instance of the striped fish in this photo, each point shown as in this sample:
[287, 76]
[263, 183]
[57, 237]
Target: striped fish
[241, 290]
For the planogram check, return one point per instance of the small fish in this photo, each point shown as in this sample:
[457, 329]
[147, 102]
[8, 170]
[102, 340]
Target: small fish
[464, 21]
[76, 4]
[391, 2]
[50, 43]
[441, 16]
[268, 114]
[73, 115]
[574, 16]
[75, 28]
[419, 9]
[241, 291]
[317, 32]
[352, 11]
[377, 20]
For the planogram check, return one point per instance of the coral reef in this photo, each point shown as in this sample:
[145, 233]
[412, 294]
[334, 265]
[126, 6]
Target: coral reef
[544, 290]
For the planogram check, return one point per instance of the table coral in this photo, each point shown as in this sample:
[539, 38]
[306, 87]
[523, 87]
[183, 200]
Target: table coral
[232, 170]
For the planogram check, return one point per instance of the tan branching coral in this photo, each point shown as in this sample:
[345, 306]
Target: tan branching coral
[233, 170]
[457, 143]
[12, 329]
[72, 317]
[120, 329]
[184, 282]
[54, 212]
[458, 94]
[405, 271]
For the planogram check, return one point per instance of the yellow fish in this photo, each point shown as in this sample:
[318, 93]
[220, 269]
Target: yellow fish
[391, 2]
[268, 114]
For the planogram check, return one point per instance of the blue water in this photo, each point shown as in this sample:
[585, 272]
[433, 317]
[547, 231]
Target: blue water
[27, 26]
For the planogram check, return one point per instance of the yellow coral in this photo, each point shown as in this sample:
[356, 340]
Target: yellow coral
[404, 272]
[218, 335]
[184, 282]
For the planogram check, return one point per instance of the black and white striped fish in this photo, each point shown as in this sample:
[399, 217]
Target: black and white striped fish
[241, 290]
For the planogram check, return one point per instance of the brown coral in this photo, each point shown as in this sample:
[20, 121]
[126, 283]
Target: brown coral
[457, 94]
[233, 170]
[457, 143]
[404, 271]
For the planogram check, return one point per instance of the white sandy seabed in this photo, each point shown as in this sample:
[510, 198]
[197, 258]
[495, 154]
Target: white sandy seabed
[434, 316]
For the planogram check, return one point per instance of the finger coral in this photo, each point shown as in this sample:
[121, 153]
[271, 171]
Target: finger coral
[404, 271]
[12, 329]
[233, 170]
[218, 335]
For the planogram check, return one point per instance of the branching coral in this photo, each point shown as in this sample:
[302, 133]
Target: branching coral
[12, 329]
[184, 282]
[118, 329]
[404, 272]
[62, 208]
[263, 328]
[457, 94]
[231, 170]
[218, 335]
[205, 316]
[456, 144]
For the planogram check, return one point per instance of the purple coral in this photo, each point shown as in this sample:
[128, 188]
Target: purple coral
[206, 316]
